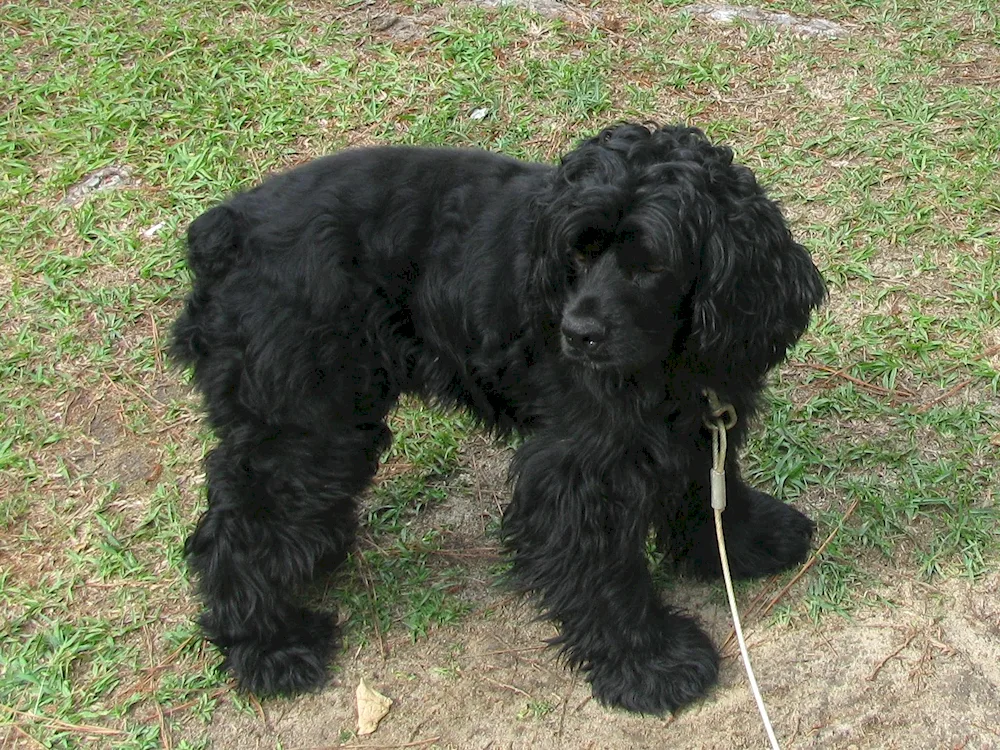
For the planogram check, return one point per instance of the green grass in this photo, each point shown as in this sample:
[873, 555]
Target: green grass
[882, 145]
[403, 584]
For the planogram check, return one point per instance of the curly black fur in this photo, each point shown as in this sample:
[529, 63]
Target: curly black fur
[586, 306]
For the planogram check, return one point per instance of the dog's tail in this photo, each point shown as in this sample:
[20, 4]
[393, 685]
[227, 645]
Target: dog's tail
[214, 240]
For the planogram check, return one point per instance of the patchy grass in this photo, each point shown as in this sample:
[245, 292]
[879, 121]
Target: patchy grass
[882, 146]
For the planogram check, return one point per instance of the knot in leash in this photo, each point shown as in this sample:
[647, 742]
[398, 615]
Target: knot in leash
[719, 411]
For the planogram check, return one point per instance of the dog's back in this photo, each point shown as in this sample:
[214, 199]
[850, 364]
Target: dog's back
[213, 242]
[367, 244]
[376, 222]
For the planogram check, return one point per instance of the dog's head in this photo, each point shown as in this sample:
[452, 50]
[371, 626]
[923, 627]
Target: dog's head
[658, 244]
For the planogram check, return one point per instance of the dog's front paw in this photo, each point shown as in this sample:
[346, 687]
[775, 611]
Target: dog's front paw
[680, 671]
[287, 665]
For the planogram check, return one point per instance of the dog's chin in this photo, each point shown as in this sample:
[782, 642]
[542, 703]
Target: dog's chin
[612, 363]
[601, 361]
[591, 363]
[585, 360]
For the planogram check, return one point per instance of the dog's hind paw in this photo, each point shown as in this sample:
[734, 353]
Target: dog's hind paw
[774, 537]
[296, 663]
[661, 681]
[777, 537]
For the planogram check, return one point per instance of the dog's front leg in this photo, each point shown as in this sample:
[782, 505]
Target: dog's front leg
[577, 543]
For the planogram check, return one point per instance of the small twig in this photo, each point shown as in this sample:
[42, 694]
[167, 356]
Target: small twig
[944, 648]
[149, 673]
[152, 672]
[365, 571]
[565, 706]
[28, 737]
[255, 702]
[69, 406]
[418, 743]
[980, 726]
[475, 553]
[137, 396]
[179, 422]
[64, 726]
[514, 650]
[758, 602]
[165, 740]
[898, 394]
[126, 584]
[143, 390]
[812, 561]
[477, 474]
[829, 643]
[878, 668]
[510, 687]
[182, 706]
[946, 395]
[986, 353]
[420, 724]
[157, 352]
[391, 470]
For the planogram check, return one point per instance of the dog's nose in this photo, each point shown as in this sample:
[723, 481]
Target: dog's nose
[583, 333]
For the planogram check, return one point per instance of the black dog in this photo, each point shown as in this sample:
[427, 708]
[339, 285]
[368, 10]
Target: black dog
[587, 306]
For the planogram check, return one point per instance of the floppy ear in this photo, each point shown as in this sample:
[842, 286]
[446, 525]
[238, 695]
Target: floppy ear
[757, 287]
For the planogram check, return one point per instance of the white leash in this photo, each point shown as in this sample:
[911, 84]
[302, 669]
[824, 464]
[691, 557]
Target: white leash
[723, 419]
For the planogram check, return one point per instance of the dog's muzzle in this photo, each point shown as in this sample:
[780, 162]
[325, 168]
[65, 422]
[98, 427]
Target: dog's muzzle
[583, 335]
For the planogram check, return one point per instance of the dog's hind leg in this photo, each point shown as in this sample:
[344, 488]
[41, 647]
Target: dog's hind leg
[578, 544]
[299, 405]
[281, 500]
[764, 536]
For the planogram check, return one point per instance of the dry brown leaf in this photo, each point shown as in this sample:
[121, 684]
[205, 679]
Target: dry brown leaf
[372, 708]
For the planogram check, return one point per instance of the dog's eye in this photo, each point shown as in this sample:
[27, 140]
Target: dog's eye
[586, 254]
[643, 271]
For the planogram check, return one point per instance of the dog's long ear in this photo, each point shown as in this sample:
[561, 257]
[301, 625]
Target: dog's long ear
[757, 288]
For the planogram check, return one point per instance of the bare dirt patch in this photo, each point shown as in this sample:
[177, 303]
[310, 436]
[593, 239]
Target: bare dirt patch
[101, 446]
[490, 682]
[386, 21]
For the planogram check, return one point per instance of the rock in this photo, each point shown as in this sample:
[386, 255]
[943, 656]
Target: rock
[568, 11]
[727, 14]
[108, 178]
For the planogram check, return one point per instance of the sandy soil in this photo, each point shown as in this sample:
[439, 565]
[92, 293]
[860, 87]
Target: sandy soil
[919, 670]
